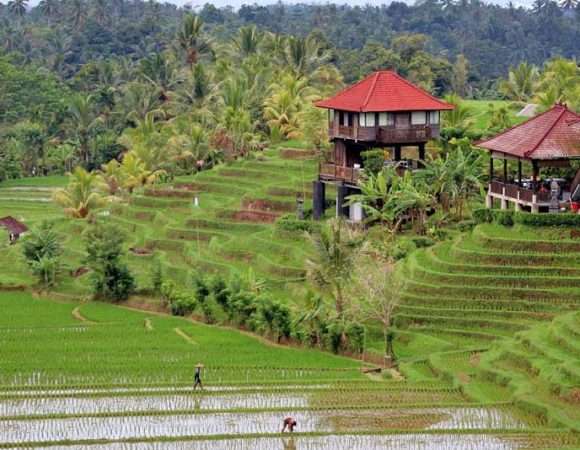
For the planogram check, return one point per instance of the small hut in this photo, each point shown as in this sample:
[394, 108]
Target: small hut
[548, 140]
[15, 228]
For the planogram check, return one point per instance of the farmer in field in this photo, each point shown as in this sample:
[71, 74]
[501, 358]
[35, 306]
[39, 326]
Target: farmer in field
[197, 377]
[289, 423]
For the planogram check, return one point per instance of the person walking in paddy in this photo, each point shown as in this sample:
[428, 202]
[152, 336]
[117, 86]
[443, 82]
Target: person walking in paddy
[197, 377]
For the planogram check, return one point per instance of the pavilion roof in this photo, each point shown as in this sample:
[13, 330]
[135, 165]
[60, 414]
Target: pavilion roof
[13, 225]
[384, 91]
[554, 134]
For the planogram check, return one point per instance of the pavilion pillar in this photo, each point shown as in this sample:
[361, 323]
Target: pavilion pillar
[397, 152]
[505, 176]
[318, 199]
[422, 152]
[535, 173]
[520, 172]
[490, 168]
[342, 192]
[489, 201]
[504, 203]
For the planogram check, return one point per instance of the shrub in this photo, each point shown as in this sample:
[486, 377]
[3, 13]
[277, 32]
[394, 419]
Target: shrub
[503, 217]
[291, 224]
[547, 220]
[373, 160]
[483, 215]
[422, 241]
[466, 225]
[402, 248]
[110, 276]
[42, 250]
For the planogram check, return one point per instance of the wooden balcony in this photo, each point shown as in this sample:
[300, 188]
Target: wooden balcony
[386, 135]
[510, 192]
[332, 172]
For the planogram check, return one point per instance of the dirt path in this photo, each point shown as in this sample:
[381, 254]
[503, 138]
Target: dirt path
[185, 336]
[76, 313]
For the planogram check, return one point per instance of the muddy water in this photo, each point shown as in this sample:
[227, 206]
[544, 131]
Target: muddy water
[72, 406]
[13, 431]
[346, 442]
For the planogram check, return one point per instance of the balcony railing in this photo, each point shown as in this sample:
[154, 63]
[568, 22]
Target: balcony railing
[516, 192]
[332, 172]
[386, 135]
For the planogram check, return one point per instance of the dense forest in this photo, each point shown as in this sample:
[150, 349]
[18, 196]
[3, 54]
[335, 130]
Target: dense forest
[84, 82]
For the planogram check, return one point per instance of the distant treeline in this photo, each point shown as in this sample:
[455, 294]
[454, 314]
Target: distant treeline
[69, 33]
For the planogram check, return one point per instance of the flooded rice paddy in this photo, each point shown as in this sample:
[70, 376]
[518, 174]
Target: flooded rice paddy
[130, 427]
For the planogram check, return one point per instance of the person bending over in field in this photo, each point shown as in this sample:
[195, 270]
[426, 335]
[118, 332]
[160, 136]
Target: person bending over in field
[289, 423]
[197, 377]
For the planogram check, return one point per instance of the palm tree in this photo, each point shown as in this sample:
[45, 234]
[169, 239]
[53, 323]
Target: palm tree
[49, 9]
[135, 173]
[191, 39]
[461, 117]
[138, 99]
[331, 267]
[77, 11]
[113, 176]
[304, 55]
[569, 4]
[189, 145]
[18, 7]
[247, 41]
[83, 119]
[521, 83]
[82, 195]
[160, 72]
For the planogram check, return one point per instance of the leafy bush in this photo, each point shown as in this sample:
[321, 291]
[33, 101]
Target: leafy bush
[466, 225]
[291, 224]
[110, 276]
[402, 248]
[42, 250]
[548, 220]
[373, 160]
[422, 241]
[503, 217]
[483, 215]
[179, 302]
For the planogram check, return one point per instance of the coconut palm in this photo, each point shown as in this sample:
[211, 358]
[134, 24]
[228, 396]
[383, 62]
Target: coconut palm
[461, 117]
[113, 176]
[521, 83]
[569, 4]
[18, 7]
[248, 40]
[160, 72]
[137, 100]
[332, 264]
[83, 119]
[304, 55]
[82, 195]
[191, 39]
[136, 174]
[147, 140]
[49, 9]
[189, 146]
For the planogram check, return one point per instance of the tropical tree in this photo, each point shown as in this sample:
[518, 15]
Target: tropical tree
[248, 40]
[113, 176]
[189, 146]
[460, 117]
[147, 140]
[83, 119]
[49, 9]
[569, 4]
[521, 83]
[42, 250]
[160, 72]
[135, 174]
[82, 195]
[192, 40]
[377, 287]
[560, 82]
[18, 7]
[305, 55]
[313, 315]
[331, 267]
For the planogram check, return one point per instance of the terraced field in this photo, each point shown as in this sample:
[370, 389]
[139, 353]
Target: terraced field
[92, 375]
[496, 312]
[488, 335]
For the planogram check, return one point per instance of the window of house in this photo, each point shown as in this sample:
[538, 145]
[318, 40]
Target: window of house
[386, 119]
[344, 118]
[434, 117]
[370, 119]
[418, 118]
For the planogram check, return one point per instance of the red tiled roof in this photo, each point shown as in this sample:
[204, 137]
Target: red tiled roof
[384, 91]
[13, 225]
[554, 134]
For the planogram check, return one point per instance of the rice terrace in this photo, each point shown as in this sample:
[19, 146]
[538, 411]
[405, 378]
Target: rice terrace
[289, 226]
